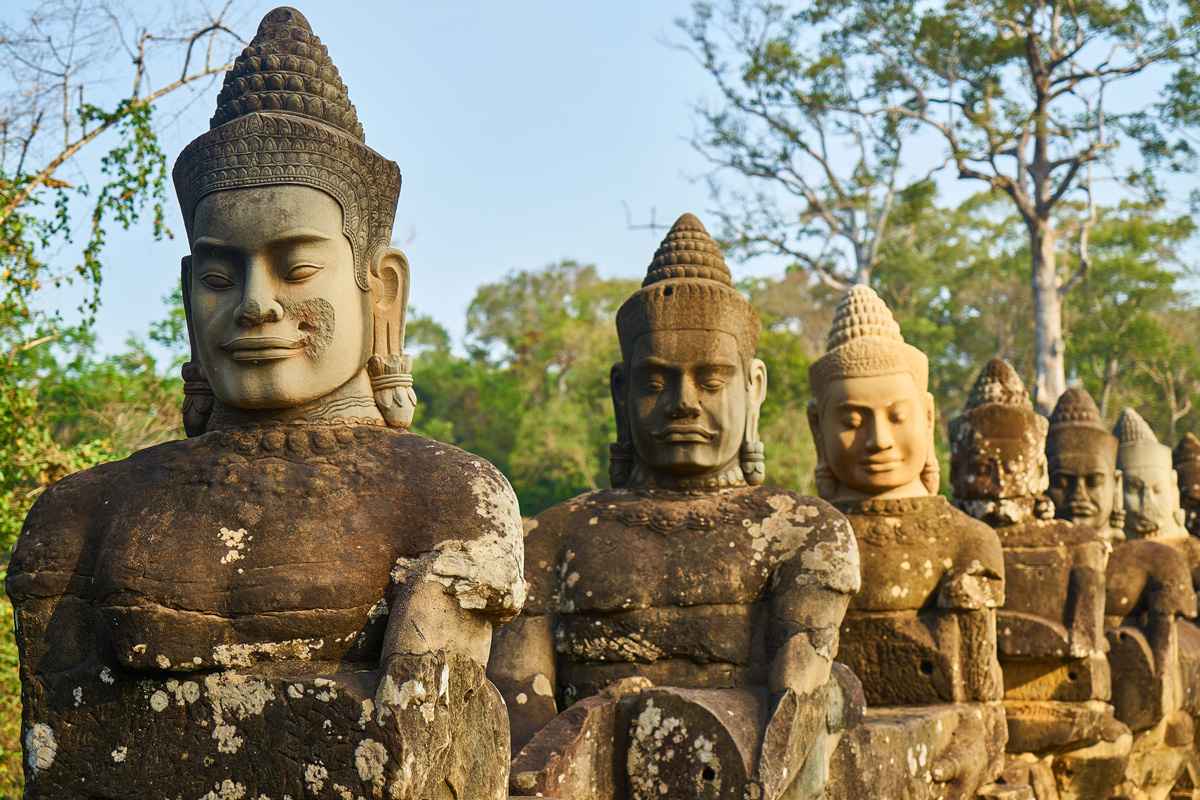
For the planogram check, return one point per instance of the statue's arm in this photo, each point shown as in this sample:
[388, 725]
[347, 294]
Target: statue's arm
[522, 664]
[1085, 607]
[48, 580]
[810, 593]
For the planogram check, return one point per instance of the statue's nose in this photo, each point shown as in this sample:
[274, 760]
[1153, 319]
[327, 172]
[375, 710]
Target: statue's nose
[252, 313]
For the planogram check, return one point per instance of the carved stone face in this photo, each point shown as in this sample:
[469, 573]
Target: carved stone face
[1151, 492]
[1083, 486]
[687, 400]
[875, 433]
[277, 316]
[999, 468]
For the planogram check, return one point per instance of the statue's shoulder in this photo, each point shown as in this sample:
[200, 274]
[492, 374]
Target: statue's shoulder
[977, 541]
[1052, 533]
[813, 542]
[59, 536]
[1145, 575]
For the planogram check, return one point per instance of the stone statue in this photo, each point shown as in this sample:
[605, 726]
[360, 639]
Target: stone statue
[1062, 734]
[921, 632]
[1085, 484]
[298, 600]
[1151, 490]
[686, 619]
[1186, 460]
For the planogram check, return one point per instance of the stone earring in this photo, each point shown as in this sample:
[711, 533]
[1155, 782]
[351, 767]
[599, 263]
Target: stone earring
[392, 385]
[753, 463]
[620, 463]
[198, 398]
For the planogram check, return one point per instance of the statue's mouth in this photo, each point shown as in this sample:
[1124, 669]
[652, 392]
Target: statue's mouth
[1082, 510]
[684, 433]
[881, 464]
[263, 348]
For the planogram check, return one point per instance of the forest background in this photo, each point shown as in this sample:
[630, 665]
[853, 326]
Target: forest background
[526, 385]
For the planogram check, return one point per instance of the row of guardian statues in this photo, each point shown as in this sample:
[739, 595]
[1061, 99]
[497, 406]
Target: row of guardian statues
[305, 600]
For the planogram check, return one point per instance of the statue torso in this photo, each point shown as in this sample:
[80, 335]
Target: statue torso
[911, 547]
[261, 544]
[671, 585]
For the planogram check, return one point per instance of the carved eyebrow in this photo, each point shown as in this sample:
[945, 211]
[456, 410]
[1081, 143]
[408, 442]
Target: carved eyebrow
[292, 237]
[847, 405]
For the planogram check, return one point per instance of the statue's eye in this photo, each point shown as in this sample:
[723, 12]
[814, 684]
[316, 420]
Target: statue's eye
[1059, 481]
[899, 416]
[713, 384]
[653, 386]
[216, 281]
[851, 421]
[1094, 481]
[302, 272]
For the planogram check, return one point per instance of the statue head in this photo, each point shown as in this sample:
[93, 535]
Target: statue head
[1186, 458]
[293, 293]
[1085, 484]
[871, 414]
[1151, 488]
[688, 389]
[997, 446]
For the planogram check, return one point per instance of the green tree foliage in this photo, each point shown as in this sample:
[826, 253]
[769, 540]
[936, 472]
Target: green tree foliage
[1038, 100]
[532, 393]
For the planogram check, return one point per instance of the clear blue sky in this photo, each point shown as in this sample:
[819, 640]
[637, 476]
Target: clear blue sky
[519, 128]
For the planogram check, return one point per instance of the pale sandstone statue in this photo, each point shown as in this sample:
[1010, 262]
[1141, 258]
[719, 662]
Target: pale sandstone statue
[1151, 490]
[922, 631]
[687, 575]
[298, 600]
[1085, 484]
[1062, 736]
[1186, 460]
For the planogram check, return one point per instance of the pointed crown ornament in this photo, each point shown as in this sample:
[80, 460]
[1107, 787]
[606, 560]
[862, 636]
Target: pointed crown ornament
[865, 341]
[1187, 452]
[997, 444]
[1136, 441]
[1075, 426]
[1132, 429]
[688, 286]
[283, 117]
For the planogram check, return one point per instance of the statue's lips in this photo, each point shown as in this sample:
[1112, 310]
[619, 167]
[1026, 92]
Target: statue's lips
[881, 464]
[1082, 510]
[684, 433]
[262, 348]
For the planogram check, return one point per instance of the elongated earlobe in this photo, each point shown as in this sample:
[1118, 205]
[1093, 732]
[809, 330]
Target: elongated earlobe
[751, 456]
[198, 397]
[620, 452]
[389, 367]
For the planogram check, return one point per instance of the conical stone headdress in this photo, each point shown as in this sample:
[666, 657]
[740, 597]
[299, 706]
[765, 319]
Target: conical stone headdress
[283, 117]
[1076, 426]
[688, 287]
[1134, 437]
[996, 444]
[1131, 428]
[1187, 452]
[865, 341]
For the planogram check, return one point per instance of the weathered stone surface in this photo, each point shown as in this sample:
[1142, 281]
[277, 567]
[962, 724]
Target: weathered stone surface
[921, 630]
[1085, 484]
[687, 574]
[298, 600]
[921, 753]
[1186, 460]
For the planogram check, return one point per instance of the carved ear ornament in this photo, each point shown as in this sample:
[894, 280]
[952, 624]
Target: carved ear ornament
[198, 399]
[620, 463]
[392, 386]
[753, 463]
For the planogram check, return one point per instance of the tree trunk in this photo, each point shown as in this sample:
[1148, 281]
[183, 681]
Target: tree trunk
[1047, 312]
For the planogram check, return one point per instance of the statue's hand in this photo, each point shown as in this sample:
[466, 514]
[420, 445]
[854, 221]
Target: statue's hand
[424, 692]
[794, 726]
